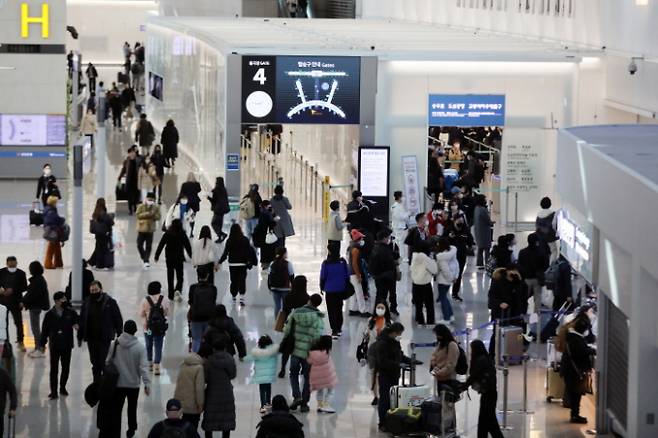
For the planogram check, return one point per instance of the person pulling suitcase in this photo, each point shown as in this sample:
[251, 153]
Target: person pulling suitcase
[7, 387]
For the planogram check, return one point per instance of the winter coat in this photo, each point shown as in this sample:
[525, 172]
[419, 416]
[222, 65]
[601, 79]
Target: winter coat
[112, 320]
[482, 227]
[482, 375]
[169, 140]
[444, 362]
[58, 330]
[448, 266]
[265, 364]
[532, 263]
[133, 174]
[191, 190]
[159, 161]
[335, 226]
[381, 264]
[502, 255]
[147, 216]
[576, 359]
[144, 134]
[175, 246]
[388, 356]
[334, 276]
[145, 308]
[280, 206]
[130, 361]
[174, 212]
[239, 252]
[219, 201]
[229, 331]
[203, 256]
[219, 408]
[191, 384]
[323, 372]
[88, 125]
[37, 297]
[295, 300]
[280, 424]
[507, 287]
[15, 281]
[308, 327]
[51, 218]
[103, 225]
[546, 225]
[422, 269]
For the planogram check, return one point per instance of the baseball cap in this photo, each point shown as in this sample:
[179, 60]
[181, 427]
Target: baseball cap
[174, 405]
[356, 235]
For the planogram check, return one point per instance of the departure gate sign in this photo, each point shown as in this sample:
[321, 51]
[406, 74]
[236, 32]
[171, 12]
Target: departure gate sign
[466, 110]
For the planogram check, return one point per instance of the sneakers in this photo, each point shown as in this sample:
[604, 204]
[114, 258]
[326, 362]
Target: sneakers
[146, 266]
[156, 369]
[63, 391]
[178, 296]
[263, 410]
[458, 298]
[36, 354]
[327, 408]
[320, 406]
[296, 403]
[304, 409]
[335, 336]
[21, 347]
[578, 420]
[151, 366]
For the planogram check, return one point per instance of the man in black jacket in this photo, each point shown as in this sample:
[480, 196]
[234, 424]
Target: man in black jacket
[576, 363]
[7, 387]
[100, 323]
[533, 262]
[383, 269]
[173, 422]
[57, 328]
[417, 236]
[13, 283]
[388, 357]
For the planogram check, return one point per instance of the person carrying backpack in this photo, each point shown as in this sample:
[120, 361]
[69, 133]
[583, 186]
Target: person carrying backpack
[154, 311]
[202, 299]
[174, 426]
[280, 278]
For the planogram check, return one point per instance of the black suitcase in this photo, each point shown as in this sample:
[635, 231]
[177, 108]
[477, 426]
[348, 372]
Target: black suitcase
[11, 427]
[36, 218]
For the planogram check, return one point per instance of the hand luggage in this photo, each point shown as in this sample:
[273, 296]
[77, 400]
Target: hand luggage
[511, 344]
[407, 395]
[550, 329]
[11, 426]
[554, 385]
[36, 218]
[438, 416]
[402, 421]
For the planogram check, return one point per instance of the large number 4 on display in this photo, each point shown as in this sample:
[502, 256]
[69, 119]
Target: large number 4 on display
[260, 76]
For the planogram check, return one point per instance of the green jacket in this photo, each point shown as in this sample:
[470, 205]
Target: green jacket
[308, 327]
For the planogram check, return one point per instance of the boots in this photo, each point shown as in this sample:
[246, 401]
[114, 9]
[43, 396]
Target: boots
[156, 369]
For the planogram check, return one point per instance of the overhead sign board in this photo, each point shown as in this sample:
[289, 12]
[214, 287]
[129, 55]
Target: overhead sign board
[468, 110]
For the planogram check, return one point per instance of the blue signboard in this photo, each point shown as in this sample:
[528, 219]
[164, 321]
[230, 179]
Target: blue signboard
[232, 162]
[468, 110]
[35, 154]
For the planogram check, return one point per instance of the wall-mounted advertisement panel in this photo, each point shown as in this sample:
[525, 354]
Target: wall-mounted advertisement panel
[374, 178]
[301, 89]
[468, 110]
[156, 85]
[576, 241]
[32, 130]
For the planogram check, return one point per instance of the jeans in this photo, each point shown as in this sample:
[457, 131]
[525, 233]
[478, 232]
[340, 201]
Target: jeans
[386, 289]
[238, 276]
[35, 319]
[482, 256]
[154, 342]
[325, 395]
[197, 329]
[487, 421]
[446, 307]
[423, 296]
[265, 390]
[174, 268]
[297, 366]
[278, 296]
[217, 224]
[456, 286]
[56, 357]
[534, 289]
[334, 302]
[17, 316]
[97, 354]
[384, 404]
[144, 245]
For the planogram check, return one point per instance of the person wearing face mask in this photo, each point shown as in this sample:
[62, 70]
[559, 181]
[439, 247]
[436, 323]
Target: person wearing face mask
[181, 211]
[444, 359]
[460, 237]
[280, 278]
[100, 322]
[190, 190]
[35, 301]
[13, 283]
[357, 274]
[422, 269]
[400, 219]
[57, 329]
[42, 183]
[436, 220]
[418, 235]
[359, 216]
[376, 324]
[383, 268]
[157, 164]
[147, 215]
[335, 226]
[334, 278]
[387, 357]
[266, 223]
[576, 363]
[220, 207]
[455, 213]
[131, 171]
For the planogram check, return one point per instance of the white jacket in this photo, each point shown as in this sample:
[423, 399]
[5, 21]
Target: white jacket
[399, 216]
[448, 266]
[204, 256]
[3, 323]
[174, 213]
[422, 268]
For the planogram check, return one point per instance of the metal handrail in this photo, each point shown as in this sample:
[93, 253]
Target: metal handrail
[479, 143]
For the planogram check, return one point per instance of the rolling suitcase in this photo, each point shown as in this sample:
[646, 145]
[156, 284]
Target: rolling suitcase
[11, 427]
[554, 385]
[438, 417]
[511, 344]
[409, 395]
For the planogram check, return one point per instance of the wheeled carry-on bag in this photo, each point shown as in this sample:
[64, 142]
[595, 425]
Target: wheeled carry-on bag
[554, 381]
[438, 417]
[409, 395]
[512, 344]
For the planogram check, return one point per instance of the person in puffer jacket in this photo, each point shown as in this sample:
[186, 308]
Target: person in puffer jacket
[265, 357]
[446, 259]
[190, 388]
[323, 373]
[422, 269]
[306, 325]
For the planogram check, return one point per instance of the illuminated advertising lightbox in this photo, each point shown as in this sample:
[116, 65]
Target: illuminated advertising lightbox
[469, 110]
[32, 130]
[301, 89]
[576, 241]
[156, 85]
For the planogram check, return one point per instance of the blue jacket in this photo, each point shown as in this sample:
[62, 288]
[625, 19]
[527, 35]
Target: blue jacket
[334, 276]
[51, 218]
[265, 364]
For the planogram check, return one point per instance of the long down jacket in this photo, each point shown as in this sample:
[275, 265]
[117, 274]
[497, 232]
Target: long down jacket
[191, 384]
[323, 372]
[219, 410]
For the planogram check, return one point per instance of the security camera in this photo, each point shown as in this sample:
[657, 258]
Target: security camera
[372, 47]
[632, 67]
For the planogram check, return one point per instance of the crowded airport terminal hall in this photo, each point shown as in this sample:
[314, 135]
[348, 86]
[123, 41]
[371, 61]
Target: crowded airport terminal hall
[328, 218]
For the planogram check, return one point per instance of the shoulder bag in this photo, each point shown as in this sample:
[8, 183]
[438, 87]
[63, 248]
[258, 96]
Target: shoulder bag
[584, 384]
[287, 345]
[110, 376]
[280, 321]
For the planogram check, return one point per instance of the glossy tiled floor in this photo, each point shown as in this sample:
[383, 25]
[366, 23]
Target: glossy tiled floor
[70, 417]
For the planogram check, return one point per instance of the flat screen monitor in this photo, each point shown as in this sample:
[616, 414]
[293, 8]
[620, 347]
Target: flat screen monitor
[32, 130]
[373, 171]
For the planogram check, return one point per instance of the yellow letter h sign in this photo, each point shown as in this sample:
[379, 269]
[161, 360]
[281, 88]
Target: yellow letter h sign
[26, 20]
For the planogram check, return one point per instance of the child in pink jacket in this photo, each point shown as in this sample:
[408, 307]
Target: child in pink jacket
[323, 373]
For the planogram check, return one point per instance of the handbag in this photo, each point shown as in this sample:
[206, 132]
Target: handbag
[110, 376]
[584, 384]
[50, 233]
[287, 345]
[280, 321]
[271, 238]
[349, 290]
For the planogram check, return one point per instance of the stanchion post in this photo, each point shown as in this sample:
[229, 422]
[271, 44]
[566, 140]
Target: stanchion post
[505, 391]
[525, 385]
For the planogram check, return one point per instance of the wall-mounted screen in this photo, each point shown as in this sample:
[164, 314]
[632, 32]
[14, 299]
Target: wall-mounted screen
[32, 130]
[156, 85]
[301, 89]
[373, 171]
[470, 110]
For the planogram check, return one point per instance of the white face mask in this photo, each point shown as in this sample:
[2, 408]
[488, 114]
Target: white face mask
[149, 202]
[47, 171]
[398, 338]
[183, 201]
[12, 270]
[362, 243]
[402, 199]
[380, 312]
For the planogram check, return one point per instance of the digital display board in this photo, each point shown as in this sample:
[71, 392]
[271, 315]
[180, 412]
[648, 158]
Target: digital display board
[32, 130]
[470, 110]
[373, 171]
[156, 85]
[301, 89]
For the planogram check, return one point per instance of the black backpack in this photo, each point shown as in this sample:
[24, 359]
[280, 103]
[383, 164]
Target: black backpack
[462, 362]
[157, 322]
[203, 305]
[169, 431]
[279, 276]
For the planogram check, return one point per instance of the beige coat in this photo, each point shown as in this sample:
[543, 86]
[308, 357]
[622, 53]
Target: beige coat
[191, 385]
[147, 216]
[444, 361]
[88, 124]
